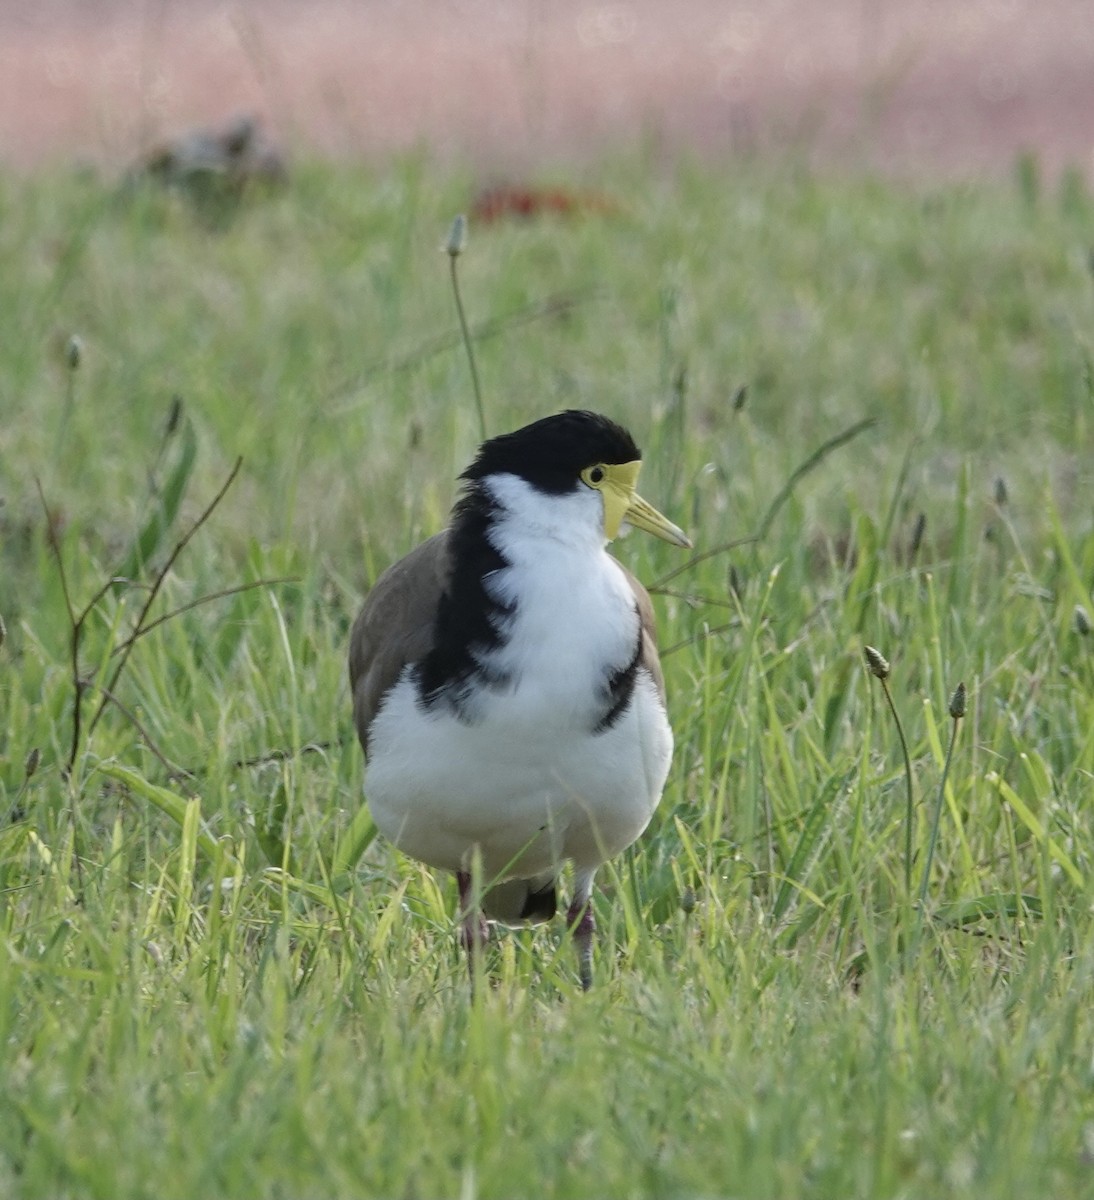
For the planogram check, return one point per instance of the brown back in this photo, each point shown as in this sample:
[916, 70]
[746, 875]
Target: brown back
[395, 627]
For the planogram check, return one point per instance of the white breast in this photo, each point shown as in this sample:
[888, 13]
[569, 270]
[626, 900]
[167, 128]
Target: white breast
[526, 782]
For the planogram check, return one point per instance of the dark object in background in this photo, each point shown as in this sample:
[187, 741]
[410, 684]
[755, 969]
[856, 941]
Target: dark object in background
[526, 201]
[215, 163]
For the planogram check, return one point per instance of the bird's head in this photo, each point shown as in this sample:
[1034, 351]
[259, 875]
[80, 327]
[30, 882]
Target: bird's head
[573, 454]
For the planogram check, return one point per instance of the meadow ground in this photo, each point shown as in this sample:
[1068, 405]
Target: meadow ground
[871, 405]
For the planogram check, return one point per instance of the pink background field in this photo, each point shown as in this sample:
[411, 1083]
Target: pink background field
[943, 87]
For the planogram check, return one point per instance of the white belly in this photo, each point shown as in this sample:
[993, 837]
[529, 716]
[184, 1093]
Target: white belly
[526, 790]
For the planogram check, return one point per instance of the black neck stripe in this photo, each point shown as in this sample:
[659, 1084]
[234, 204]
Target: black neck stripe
[470, 621]
[620, 686]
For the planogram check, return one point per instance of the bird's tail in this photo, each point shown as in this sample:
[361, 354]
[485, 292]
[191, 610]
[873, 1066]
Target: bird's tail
[519, 900]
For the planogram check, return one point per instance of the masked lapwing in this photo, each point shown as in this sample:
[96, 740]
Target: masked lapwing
[506, 685]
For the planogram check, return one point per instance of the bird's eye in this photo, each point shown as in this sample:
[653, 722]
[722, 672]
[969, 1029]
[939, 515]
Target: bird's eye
[593, 476]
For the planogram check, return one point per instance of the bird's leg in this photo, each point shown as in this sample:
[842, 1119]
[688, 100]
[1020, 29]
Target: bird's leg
[474, 931]
[582, 923]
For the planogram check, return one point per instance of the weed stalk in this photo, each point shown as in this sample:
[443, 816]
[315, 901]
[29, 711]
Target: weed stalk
[157, 584]
[77, 621]
[958, 705]
[879, 668]
[73, 354]
[457, 241]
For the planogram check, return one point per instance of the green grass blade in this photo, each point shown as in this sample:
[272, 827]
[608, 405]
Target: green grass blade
[817, 824]
[177, 807]
[162, 517]
[355, 840]
[1036, 828]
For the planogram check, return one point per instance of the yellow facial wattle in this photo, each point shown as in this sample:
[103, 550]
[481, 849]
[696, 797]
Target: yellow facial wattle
[617, 483]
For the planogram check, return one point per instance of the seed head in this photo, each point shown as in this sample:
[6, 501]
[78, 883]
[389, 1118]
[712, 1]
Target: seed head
[74, 349]
[877, 662]
[31, 765]
[174, 415]
[918, 530]
[958, 702]
[1001, 493]
[1081, 620]
[736, 583]
[457, 237]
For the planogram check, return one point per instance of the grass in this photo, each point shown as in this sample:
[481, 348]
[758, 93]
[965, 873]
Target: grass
[215, 981]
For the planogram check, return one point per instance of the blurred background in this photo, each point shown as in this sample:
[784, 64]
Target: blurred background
[939, 87]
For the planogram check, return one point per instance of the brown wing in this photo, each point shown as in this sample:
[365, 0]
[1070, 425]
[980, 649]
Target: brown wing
[395, 627]
[649, 657]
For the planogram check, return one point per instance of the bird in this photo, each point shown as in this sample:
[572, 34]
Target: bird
[507, 691]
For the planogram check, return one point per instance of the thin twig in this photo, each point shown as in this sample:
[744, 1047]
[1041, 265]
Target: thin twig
[77, 681]
[277, 755]
[51, 538]
[219, 595]
[693, 598]
[803, 469]
[174, 771]
[455, 247]
[957, 711]
[157, 583]
[814, 460]
[696, 559]
[702, 635]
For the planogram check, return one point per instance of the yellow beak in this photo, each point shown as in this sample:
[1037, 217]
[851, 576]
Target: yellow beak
[622, 503]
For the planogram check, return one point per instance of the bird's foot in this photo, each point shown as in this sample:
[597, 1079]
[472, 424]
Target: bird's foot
[582, 923]
[474, 929]
[474, 932]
